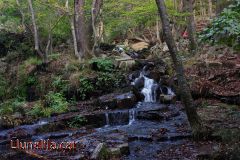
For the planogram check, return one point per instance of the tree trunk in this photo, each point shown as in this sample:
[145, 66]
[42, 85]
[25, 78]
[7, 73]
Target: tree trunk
[71, 20]
[158, 30]
[210, 12]
[80, 30]
[96, 7]
[188, 6]
[186, 96]
[35, 30]
[22, 15]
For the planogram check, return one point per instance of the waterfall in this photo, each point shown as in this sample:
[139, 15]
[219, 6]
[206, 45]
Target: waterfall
[170, 92]
[107, 120]
[148, 90]
[131, 116]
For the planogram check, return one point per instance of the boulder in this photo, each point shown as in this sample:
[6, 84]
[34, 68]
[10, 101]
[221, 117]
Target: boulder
[19, 133]
[120, 150]
[152, 113]
[118, 118]
[117, 101]
[100, 152]
[156, 113]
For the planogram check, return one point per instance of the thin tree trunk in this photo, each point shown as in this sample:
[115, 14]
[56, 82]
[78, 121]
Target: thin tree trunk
[36, 36]
[80, 31]
[71, 20]
[101, 30]
[48, 46]
[95, 11]
[158, 30]
[210, 12]
[22, 15]
[187, 99]
[188, 6]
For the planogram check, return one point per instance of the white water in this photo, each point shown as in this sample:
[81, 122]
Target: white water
[148, 91]
[170, 92]
[131, 116]
[107, 120]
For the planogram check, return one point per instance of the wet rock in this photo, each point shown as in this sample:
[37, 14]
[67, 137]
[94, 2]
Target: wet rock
[134, 75]
[157, 113]
[118, 118]
[127, 100]
[120, 150]
[151, 113]
[117, 101]
[96, 120]
[167, 99]
[78, 157]
[19, 133]
[59, 135]
[100, 152]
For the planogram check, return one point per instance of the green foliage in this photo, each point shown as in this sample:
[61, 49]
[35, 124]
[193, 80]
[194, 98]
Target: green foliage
[3, 86]
[8, 19]
[59, 84]
[26, 80]
[108, 81]
[56, 102]
[225, 29]
[77, 122]
[39, 111]
[31, 80]
[102, 64]
[86, 87]
[54, 56]
[11, 106]
[53, 103]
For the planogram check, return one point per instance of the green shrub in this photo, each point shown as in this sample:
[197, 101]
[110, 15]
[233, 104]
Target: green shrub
[54, 56]
[108, 81]
[3, 86]
[59, 84]
[56, 102]
[77, 122]
[31, 80]
[86, 87]
[102, 64]
[225, 29]
[53, 103]
[11, 106]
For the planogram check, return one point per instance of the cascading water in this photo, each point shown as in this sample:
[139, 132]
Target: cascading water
[148, 90]
[131, 116]
[107, 120]
[170, 92]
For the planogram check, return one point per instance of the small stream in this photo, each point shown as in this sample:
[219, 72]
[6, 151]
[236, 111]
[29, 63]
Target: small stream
[146, 128]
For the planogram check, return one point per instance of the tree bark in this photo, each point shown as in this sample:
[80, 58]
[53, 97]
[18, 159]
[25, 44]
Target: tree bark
[186, 96]
[35, 30]
[71, 20]
[191, 28]
[96, 7]
[80, 30]
[22, 15]
[210, 12]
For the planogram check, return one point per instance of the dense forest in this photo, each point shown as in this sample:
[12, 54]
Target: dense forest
[126, 79]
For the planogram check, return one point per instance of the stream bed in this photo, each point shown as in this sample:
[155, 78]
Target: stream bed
[146, 131]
